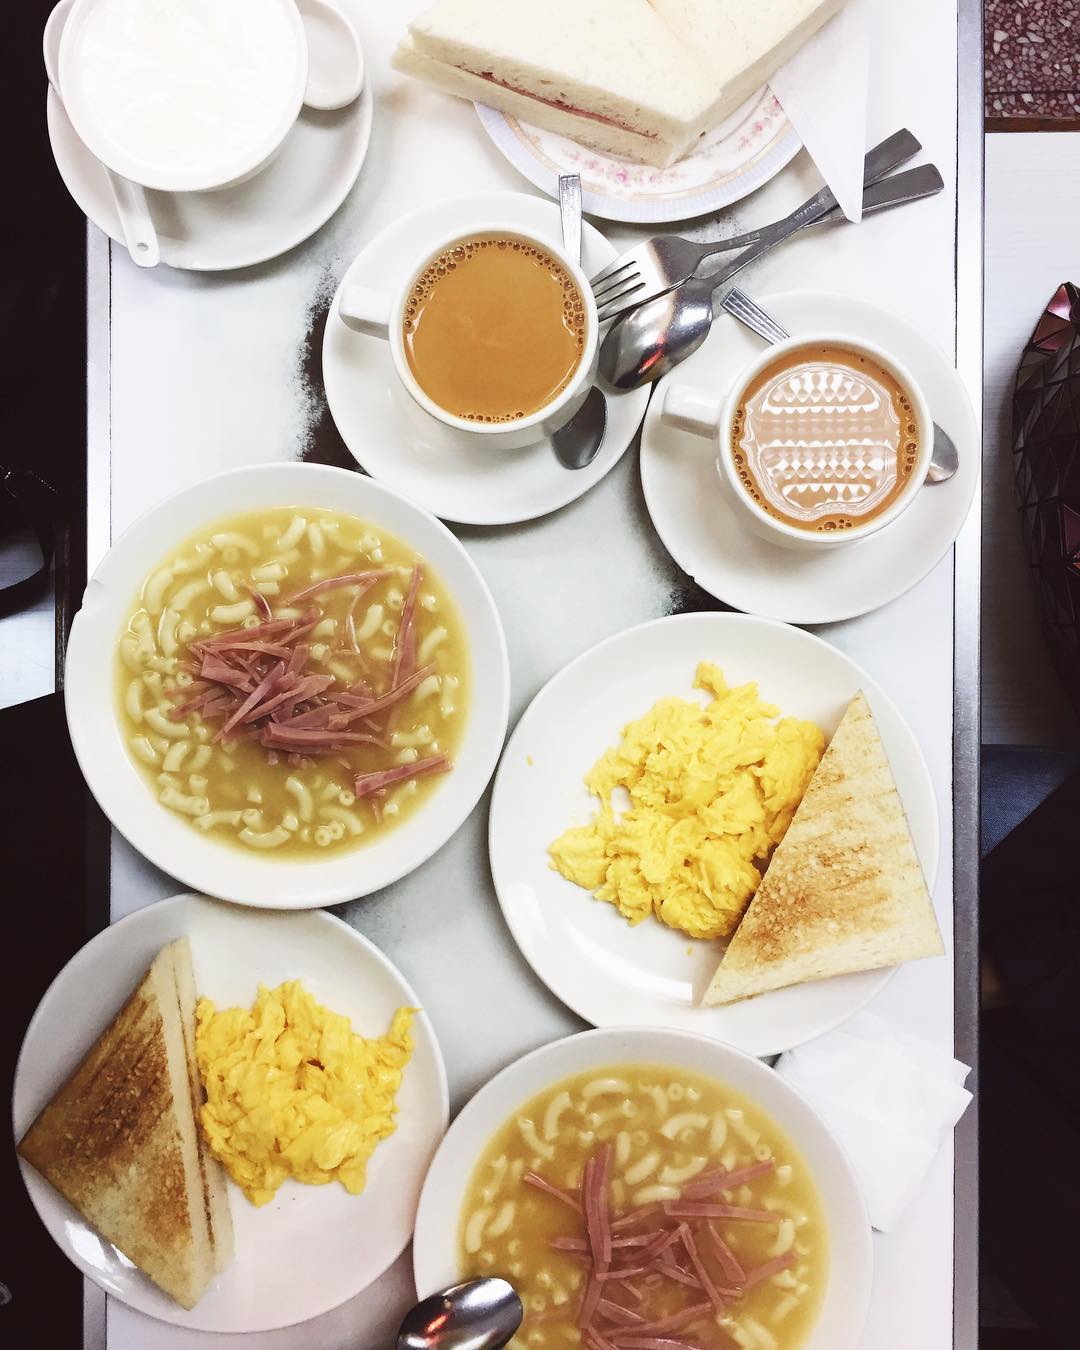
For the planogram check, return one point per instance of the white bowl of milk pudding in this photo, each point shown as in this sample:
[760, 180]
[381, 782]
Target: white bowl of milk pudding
[183, 95]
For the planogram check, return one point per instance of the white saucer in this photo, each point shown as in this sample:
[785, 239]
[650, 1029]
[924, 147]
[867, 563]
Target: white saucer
[583, 949]
[272, 212]
[707, 538]
[736, 158]
[311, 1247]
[480, 487]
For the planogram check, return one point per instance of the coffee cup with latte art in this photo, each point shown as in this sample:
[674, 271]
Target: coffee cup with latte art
[822, 440]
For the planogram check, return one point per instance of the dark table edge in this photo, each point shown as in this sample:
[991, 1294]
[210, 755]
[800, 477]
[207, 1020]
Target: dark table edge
[966, 682]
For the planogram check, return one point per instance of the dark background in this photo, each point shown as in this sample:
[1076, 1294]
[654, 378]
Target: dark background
[49, 905]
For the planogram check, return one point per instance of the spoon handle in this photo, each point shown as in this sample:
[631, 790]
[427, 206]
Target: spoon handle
[739, 305]
[570, 213]
[910, 186]
[136, 223]
[895, 150]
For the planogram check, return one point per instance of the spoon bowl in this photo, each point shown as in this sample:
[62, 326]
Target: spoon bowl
[654, 338]
[476, 1315]
[577, 442]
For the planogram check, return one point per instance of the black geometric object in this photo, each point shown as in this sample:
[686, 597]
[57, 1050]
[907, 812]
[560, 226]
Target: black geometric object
[1046, 466]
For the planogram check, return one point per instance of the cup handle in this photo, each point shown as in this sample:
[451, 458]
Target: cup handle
[691, 410]
[365, 310]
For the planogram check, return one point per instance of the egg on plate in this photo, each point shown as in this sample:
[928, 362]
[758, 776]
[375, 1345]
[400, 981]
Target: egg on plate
[292, 1090]
[709, 791]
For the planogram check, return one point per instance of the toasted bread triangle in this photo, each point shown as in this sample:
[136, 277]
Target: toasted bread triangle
[120, 1140]
[844, 891]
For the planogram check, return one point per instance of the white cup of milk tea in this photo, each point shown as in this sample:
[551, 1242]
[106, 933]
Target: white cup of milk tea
[821, 440]
[198, 94]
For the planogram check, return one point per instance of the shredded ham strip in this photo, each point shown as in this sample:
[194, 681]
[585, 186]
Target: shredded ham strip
[535, 1179]
[261, 602]
[405, 644]
[364, 579]
[615, 1312]
[368, 783]
[768, 1269]
[366, 705]
[672, 1243]
[700, 1209]
[712, 1183]
[729, 1262]
[259, 681]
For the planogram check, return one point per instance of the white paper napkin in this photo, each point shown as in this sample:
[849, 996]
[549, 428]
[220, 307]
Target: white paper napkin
[823, 90]
[888, 1097]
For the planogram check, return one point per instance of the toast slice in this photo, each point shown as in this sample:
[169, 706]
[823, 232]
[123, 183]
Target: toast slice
[121, 1143]
[844, 891]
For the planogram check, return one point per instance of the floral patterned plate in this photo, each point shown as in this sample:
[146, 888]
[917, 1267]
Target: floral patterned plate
[741, 154]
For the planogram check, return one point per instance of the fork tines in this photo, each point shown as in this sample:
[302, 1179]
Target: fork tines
[616, 282]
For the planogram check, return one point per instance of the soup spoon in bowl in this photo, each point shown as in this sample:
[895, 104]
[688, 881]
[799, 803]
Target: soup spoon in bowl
[477, 1315]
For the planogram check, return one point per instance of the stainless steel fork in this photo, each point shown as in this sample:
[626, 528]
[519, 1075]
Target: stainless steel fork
[651, 268]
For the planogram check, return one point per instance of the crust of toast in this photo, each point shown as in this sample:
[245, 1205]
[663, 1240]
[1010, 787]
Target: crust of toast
[119, 1140]
[844, 891]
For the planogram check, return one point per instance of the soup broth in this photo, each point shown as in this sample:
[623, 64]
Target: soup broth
[665, 1174]
[293, 680]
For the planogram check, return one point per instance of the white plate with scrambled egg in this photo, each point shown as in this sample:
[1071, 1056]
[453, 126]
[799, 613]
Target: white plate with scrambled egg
[303, 1249]
[622, 905]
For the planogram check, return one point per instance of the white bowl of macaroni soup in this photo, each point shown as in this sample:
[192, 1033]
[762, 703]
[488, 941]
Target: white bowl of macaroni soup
[291, 700]
[650, 1184]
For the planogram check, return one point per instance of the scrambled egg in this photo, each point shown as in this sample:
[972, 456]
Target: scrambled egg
[712, 791]
[292, 1090]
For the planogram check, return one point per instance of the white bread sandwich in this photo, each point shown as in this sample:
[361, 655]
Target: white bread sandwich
[740, 43]
[844, 891]
[607, 73]
[121, 1141]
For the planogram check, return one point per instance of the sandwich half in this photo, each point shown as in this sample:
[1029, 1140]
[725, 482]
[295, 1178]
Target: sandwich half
[740, 43]
[844, 891]
[607, 73]
[121, 1140]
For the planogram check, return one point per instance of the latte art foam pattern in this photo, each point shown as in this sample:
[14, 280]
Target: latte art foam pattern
[823, 444]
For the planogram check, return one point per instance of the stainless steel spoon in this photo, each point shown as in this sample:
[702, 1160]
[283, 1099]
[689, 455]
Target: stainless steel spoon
[944, 458]
[477, 1315]
[652, 339]
[577, 443]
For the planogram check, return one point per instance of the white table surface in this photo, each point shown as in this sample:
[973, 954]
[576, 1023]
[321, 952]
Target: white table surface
[192, 374]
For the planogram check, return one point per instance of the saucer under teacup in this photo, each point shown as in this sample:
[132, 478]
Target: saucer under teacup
[470, 485]
[251, 222]
[706, 535]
